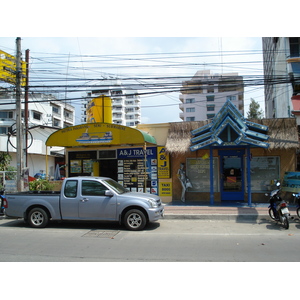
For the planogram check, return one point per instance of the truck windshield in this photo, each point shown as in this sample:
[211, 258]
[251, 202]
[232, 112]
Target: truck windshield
[118, 188]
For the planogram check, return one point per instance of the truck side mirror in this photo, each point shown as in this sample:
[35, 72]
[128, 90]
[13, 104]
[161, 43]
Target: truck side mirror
[109, 193]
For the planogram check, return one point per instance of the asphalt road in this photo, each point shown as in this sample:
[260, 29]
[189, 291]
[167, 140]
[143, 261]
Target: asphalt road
[164, 241]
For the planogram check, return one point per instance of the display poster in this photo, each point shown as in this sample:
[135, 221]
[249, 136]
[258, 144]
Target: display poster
[198, 171]
[264, 170]
[291, 182]
[163, 163]
[87, 166]
[137, 169]
[75, 166]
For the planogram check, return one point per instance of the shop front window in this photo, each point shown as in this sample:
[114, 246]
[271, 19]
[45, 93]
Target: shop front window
[264, 170]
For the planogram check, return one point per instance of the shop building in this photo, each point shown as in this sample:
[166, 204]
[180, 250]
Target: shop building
[225, 159]
[230, 158]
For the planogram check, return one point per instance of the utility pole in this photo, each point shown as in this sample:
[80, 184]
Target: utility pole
[19, 125]
[26, 106]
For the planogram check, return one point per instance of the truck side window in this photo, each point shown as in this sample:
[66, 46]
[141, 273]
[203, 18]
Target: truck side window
[71, 189]
[93, 188]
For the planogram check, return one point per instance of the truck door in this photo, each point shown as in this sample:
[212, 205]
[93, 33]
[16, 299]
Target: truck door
[93, 204]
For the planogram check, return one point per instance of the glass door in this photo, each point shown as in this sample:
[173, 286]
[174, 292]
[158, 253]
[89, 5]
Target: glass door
[232, 175]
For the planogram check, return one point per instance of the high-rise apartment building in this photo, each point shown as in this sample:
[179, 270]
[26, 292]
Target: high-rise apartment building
[281, 56]
[43, 109]
[205, 94]
[126, 104]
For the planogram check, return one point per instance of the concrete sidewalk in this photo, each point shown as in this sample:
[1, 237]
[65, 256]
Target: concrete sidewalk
[221, 213]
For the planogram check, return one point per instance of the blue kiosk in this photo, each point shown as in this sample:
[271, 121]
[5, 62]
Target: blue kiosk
[229, 129]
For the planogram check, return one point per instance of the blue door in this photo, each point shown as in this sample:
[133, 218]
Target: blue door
[232, 175]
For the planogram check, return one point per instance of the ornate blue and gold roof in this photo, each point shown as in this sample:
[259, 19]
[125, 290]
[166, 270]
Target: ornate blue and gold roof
[229, 128]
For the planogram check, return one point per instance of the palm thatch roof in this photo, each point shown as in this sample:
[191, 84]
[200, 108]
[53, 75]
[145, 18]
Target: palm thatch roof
[282, 132]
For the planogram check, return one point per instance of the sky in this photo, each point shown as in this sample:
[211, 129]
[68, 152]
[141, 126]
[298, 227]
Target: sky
[161, 39]
[157, 56]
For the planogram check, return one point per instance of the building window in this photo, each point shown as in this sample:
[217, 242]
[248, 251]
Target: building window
[190, 100]
[210, 116]
[3, 130]
[37, 115]
[68, 114]
[210, 107]
[190, 119]
[210, 88]
[6, 114]
[190, 109]
[55, 110]
[231, 98]
[210, 98]
[56, 123]
[295, 47]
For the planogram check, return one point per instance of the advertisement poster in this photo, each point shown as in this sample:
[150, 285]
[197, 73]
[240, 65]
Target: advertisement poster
[137, 169]
[291, 182]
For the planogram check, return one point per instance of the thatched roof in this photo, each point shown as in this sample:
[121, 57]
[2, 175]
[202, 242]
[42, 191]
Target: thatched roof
[179, 137]
[283, 134]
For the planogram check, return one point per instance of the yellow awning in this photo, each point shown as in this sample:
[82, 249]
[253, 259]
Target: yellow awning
[98, 134]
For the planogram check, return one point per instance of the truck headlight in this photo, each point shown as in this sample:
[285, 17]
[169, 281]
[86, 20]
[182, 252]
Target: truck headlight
[152, 203]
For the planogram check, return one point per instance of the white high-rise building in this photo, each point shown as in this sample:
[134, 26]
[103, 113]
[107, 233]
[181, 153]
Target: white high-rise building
[281, 56]
[205, 94]
[126, 103]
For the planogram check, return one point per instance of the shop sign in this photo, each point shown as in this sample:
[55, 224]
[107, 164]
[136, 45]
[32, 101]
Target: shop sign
[163, 163]
[8, 68]
[165, 189]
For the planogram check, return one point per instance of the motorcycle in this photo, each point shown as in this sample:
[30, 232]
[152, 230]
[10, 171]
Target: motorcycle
[278, 209]
[2, 209]
[297, 198]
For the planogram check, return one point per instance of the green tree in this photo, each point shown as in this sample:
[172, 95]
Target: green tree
[254, 110]
[5, 160]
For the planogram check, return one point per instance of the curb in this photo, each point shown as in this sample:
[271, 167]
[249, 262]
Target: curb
[221, 217]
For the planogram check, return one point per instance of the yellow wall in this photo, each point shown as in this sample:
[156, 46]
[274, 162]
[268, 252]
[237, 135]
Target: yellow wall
[159, 131]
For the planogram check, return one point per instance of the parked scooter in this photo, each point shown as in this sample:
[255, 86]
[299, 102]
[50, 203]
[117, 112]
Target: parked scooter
[278, 209]
[297, 198]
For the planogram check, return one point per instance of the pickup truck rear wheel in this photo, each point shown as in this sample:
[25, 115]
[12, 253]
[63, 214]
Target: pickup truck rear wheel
[38, 218]
[135, 220]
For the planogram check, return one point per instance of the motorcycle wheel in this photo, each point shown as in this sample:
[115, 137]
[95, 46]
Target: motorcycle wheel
[298, 212]
[271, 214]
[286, 223]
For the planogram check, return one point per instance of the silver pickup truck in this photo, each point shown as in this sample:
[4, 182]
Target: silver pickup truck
[86, 198]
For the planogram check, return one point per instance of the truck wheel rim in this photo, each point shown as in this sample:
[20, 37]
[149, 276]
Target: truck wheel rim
[134, 220]
[37, 218]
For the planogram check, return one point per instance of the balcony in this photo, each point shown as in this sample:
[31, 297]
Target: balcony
[294, 65]
[294, 73]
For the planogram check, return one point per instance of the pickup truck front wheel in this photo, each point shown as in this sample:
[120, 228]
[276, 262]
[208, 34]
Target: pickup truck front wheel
[135, 219]
[38, 218]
